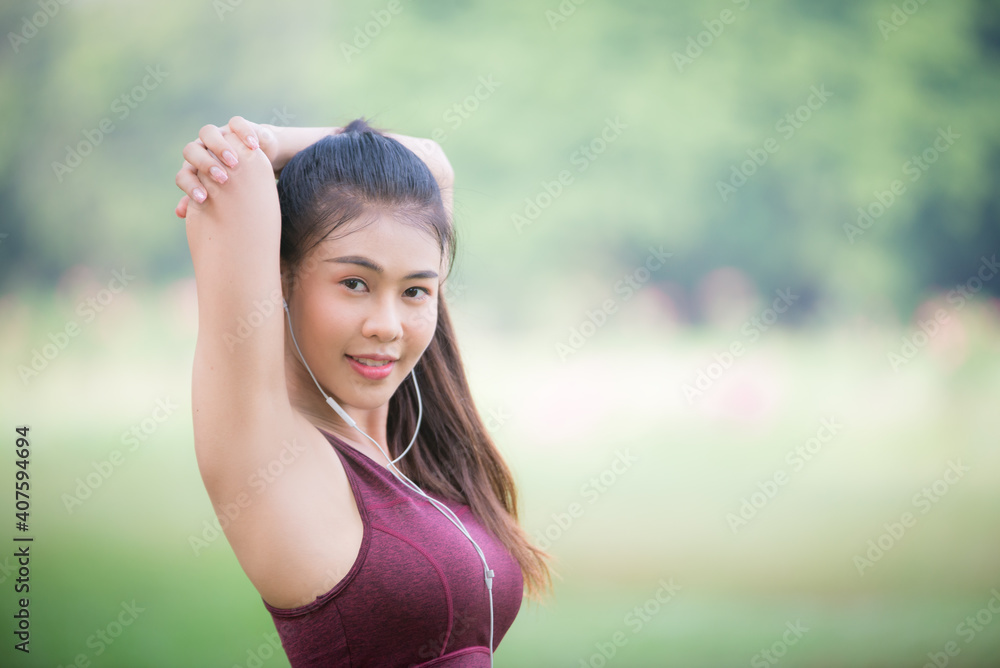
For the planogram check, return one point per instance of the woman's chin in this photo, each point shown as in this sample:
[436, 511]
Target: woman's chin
[369, 399]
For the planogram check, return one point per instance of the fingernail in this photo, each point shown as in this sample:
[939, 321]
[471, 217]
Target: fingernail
[199, 195]
[229, 158]
[218, 174]
[252, 142]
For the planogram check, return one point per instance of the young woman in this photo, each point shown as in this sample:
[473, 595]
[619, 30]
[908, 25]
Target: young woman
[326, 378]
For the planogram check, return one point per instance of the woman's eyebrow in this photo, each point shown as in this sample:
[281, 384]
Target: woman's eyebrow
[377, 268]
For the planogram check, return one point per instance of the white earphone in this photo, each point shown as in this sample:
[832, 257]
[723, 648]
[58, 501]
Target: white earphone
[443, 509]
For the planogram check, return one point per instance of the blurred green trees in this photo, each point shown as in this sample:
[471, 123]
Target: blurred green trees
[727, 155]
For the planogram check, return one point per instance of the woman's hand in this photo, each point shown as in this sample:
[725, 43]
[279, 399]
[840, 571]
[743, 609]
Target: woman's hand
[245, 197]
[433, 156]
[210, 157]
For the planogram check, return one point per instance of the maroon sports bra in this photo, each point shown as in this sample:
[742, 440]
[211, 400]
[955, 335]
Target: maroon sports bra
[415, 595]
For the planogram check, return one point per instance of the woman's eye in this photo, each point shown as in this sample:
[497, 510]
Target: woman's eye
[415, 292]
[353, 284]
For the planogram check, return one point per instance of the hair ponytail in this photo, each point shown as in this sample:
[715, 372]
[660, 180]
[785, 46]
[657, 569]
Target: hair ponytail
[456, 457]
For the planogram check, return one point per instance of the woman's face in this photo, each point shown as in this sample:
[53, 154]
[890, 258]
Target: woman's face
[364, 308]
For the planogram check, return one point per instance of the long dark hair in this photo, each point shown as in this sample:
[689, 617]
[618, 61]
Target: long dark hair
[336, 180]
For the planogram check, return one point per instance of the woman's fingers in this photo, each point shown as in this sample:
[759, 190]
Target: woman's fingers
[255, 136]
[205, 161]
[269, 143]
[248, 132]
[182, 207]
[216, 146]
[211, 153]
[188, 180]
[208, 156]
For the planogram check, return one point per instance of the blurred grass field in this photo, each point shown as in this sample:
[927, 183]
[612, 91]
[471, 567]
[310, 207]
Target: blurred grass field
[560, 424]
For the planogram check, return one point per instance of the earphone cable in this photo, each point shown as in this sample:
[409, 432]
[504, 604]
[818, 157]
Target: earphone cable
[399, 475]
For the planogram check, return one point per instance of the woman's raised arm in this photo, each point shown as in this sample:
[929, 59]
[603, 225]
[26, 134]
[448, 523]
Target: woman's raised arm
[240, 399]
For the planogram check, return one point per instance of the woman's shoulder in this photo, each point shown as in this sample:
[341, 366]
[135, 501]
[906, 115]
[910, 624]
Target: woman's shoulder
[296, 522]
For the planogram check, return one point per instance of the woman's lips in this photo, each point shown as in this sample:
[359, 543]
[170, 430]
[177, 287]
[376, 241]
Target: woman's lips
[372, 372]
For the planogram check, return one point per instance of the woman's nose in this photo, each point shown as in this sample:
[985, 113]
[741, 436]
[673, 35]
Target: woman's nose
[383, 321]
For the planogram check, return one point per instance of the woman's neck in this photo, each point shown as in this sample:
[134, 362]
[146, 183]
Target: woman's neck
[306, 399]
